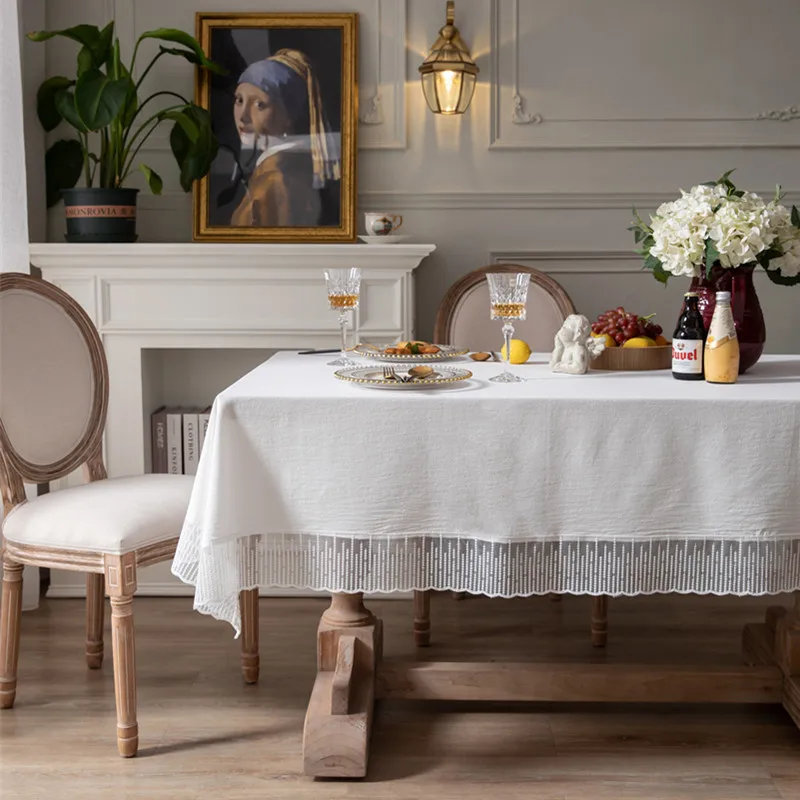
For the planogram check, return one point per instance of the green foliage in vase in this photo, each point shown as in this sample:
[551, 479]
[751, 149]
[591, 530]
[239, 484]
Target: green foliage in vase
[102, 103]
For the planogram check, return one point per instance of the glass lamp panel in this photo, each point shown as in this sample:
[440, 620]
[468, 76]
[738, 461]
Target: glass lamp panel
[467, 90]
[448, 90]
[429, 90]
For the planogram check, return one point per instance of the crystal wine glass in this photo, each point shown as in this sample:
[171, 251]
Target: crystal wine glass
[344, 287]
[508, 292]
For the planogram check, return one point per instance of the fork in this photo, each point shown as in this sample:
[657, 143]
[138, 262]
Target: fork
[390, 374]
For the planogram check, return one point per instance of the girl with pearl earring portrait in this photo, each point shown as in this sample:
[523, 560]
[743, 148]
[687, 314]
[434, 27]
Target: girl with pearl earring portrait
[279, 116]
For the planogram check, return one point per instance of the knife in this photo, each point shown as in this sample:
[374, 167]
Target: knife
[312, 352]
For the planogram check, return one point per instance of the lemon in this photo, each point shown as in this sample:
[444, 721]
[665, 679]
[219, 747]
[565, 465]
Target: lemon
[520, 351]
[640, 341]
[606, 337]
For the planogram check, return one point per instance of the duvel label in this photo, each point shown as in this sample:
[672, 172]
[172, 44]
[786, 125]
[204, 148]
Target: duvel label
[115, 212]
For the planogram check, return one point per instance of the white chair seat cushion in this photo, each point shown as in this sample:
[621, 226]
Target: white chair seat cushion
[113, 516]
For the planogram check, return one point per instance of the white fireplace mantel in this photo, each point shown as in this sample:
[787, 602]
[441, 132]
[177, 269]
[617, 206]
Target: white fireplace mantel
[155, 297]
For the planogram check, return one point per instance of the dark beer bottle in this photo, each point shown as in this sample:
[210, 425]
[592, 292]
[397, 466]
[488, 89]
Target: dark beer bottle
[688, 342]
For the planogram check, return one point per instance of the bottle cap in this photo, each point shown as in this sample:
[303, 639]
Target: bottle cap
[690, 294]
[723, 296]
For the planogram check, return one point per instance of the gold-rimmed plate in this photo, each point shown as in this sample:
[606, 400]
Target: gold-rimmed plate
[374, 378]
[377, 352]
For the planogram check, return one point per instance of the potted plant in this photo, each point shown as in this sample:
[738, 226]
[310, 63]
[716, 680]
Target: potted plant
[103, 105]
[717, 235]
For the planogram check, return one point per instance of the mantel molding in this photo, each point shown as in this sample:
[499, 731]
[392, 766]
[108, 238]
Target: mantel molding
[224, 259]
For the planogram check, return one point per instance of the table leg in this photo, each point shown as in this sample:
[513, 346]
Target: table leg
[339, 716]
[777, 641]
[599, 620]
[422, 619]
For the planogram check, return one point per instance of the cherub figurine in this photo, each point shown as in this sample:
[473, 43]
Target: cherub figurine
[574, 346]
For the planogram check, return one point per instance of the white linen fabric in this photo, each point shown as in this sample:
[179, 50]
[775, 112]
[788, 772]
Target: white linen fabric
[608, 483]
[113, 516]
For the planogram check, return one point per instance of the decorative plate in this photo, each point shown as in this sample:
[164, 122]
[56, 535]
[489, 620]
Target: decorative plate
[373, 377]
[445, 351]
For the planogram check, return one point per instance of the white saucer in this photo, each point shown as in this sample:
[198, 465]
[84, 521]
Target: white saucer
[393, 238]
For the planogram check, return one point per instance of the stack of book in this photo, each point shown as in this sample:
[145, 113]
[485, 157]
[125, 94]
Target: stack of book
[178, 436]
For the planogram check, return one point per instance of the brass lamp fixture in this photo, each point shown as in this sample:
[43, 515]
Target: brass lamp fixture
[449, 73]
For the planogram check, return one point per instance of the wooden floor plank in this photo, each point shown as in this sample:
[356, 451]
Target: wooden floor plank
[203, 733]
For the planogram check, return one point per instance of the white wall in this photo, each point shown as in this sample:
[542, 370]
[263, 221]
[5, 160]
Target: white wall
[636, 100]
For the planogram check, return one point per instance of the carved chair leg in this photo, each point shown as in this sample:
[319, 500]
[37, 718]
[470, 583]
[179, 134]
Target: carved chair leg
[248, 603]
[121, 584]
[599, 620]
[95, 612]
[11, 613]
[422, 619]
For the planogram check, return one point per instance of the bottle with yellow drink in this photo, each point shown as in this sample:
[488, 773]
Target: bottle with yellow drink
[721, 357]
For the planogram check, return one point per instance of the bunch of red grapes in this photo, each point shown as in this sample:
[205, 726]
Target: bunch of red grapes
[621, 325]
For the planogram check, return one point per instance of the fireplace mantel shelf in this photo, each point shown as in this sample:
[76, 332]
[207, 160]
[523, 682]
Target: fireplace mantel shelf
[211, 256]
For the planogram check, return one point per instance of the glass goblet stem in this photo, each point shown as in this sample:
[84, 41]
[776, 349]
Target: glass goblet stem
[343, 328]
[508, 332]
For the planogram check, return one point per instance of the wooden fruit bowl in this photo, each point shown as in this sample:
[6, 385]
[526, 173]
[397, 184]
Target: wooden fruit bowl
[634, 359]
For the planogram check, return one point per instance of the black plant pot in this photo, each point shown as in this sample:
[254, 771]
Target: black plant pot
[100, 215]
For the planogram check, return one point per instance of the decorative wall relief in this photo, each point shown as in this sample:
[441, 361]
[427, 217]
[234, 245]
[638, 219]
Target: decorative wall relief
[571, 74]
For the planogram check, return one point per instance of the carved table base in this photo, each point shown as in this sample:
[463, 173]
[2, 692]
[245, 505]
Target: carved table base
[350, 677]
[339, 717]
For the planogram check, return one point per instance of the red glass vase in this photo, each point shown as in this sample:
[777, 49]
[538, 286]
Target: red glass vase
[747, 315]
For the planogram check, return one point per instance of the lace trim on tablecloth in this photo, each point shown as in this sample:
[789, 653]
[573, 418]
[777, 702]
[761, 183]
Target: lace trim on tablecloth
[497, 569]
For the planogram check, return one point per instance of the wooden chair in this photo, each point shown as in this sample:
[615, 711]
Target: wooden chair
[463, 319]
[53, 399]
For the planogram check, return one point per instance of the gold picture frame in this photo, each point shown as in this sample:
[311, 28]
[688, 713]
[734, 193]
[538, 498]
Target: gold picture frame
[298, 185]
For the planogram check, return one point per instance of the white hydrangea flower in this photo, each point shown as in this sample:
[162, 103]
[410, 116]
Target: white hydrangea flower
[787, 240]
[741, 228]
[680, 229]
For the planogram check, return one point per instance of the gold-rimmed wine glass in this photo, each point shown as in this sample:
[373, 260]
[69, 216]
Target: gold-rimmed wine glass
[508, 293]
[344, 289]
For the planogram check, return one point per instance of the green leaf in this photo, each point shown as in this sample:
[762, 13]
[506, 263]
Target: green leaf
[186, 122]
[711, 256]
[638, 235]
[98, 99]
[189, 42]
[775, 276]
[91, 37]
[65, 103]
[63, 163]
[46, 108]
[153, 179]
[194, 158]
[661, 275]
[795, 217]
[726, 176]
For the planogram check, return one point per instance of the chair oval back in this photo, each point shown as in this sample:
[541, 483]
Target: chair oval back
[53, 380]
[463, 316]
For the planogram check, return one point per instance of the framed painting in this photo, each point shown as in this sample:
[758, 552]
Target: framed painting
[285, 116]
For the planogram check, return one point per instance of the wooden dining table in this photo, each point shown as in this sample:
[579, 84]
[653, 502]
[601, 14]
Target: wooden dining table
[606, 484]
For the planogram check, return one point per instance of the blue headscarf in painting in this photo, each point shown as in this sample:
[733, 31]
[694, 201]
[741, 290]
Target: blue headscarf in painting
[288, 77]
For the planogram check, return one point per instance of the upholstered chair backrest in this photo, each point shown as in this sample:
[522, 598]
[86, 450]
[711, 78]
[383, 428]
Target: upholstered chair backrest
[53, 380]
[463, 318]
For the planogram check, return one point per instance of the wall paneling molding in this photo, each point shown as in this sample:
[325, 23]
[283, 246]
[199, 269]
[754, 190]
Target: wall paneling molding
[735, 128]
[573, 262]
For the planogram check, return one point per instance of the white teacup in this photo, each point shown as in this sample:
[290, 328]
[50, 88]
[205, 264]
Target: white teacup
[381, 224]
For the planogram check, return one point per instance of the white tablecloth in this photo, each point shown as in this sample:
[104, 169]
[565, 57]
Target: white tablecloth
[609, 483]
